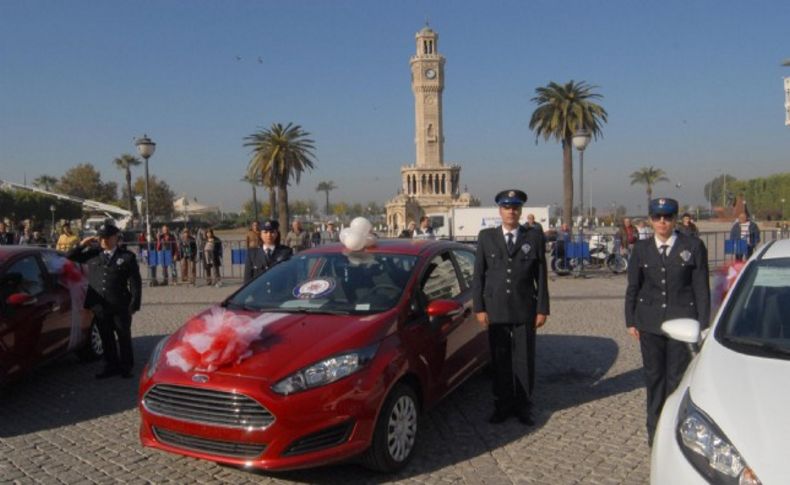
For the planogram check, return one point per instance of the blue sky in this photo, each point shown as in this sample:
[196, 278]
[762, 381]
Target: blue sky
[692, 87]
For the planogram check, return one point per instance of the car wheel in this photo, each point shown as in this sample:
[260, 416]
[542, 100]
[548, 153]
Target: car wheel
[93, 348]
[396, 431]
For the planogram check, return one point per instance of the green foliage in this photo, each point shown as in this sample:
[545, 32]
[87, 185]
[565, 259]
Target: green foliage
[19, 205]
[125, 163]
[326, 186]
[84, 181]
[714, 190]
[45, 182]
[161, 203]
[764, 195]
[648, 176]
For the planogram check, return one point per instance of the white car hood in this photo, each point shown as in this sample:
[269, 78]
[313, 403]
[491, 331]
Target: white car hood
[748, 397]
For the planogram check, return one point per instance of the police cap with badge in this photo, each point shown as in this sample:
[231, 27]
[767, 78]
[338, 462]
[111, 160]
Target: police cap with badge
[663, 207]
[107, 230]
[270, 225]
[511, 198]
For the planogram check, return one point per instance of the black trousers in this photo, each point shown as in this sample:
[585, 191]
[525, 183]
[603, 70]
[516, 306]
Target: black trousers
[509, 393]
[664, 360]
[117, 356]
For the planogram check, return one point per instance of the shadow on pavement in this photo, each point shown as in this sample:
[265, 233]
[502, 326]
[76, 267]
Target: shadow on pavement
[65, 392]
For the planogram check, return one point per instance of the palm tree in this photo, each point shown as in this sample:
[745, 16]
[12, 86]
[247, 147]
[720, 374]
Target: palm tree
[648, 176]
[45, 182]
[279, 154]
[251, 180]
[125, 162]
[562, 110]
[326, 187]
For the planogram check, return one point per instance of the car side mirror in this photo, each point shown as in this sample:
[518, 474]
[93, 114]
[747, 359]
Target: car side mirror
[684, 330]
[20, 299]
[444, 308]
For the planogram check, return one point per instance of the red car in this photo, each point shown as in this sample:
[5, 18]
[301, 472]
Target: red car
[41, 314]
[333, 354]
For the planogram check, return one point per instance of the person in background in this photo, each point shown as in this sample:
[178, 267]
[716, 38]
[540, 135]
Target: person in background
[114, 294]
[667, 279]
[253, 239]
[212, 258]
[38, 240]
[628, 235]
[424, 231]
[297, 239]
[331, 234]
[168, 242]
[687, 226]
[67, 240]
[745, 230]
[315, 236]
[642, 230]
[269, 254]
[24, 239]
[409, 231]
[531, 223]
[187, 252]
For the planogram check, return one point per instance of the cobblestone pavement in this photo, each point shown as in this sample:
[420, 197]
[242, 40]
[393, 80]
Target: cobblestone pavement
[61, 426]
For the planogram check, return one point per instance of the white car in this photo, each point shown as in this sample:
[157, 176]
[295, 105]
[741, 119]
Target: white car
[729, 419]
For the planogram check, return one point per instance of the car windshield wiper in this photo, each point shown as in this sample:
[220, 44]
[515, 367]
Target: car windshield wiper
[241, 306]
[761, 344]
[313, 311]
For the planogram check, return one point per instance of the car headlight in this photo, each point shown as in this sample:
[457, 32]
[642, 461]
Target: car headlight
[327, 371]
[708, 449]
[153, 361]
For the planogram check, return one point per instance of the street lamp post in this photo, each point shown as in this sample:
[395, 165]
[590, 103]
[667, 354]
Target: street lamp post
[146, 148]
[52, 210]
[580, 140]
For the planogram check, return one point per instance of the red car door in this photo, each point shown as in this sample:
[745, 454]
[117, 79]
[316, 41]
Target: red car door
[21, 319]
[476, 352]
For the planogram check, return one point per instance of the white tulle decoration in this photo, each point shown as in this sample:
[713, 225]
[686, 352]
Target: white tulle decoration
[361, 225]
[357, 236]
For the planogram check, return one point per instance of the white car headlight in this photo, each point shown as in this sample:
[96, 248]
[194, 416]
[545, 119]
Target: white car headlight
[708, 449]
[327, 371]
[153, 361]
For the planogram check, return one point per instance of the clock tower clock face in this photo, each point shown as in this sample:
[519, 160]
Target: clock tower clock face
[430, 73]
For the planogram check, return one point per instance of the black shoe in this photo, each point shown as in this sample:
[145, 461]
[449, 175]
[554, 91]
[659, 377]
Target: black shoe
[107, 373]
[525, 417]
[499, 416]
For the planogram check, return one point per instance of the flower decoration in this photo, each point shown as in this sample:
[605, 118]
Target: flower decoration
[357, 235]
[723, 280]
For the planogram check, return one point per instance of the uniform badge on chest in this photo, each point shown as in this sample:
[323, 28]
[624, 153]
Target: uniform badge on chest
[119, 262]
[526, 248]
[685, 255]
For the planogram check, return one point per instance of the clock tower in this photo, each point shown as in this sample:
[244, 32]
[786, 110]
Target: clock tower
[429, 186]
[427, 84]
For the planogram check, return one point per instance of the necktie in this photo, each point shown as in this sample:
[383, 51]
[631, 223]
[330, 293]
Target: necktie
[269, 254]
[510, 242]
[106, 257]
[664, 248]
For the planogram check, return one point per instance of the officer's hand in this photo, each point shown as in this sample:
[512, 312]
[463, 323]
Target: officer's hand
[482, 319]
[88, 240]
[633, 332]
[540, 320]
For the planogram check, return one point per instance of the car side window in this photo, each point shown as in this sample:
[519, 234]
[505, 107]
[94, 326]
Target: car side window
[440, 280]
[26, 274]
[466, 263]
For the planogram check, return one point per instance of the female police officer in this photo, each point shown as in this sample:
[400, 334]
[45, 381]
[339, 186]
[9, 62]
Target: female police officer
[667, 278]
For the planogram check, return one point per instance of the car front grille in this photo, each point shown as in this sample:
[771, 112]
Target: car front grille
[215, 447]
[207, 406]
[322, 439]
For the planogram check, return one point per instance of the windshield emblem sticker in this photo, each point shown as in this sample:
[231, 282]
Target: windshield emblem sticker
[314, 288]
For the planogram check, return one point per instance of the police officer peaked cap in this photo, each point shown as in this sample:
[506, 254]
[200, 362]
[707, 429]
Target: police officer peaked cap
[107, 230]
[663, 207]
[270, 225]
[511, 197]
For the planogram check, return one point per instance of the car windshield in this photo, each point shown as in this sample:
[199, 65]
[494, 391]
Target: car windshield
[335, 283]
[757, 318]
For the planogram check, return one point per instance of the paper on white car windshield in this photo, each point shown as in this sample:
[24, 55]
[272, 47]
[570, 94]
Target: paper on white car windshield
[772, 276]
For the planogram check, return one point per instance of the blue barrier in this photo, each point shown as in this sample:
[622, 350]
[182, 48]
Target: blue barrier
[737, 247]
[238, 256]
[159, 258]
[577, 249]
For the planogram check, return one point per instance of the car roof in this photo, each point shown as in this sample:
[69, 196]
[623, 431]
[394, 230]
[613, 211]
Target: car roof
[777, 249]
[413, 247]
[8, 252]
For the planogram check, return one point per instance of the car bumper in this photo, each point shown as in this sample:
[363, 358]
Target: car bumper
[668, 465]
[310, 428]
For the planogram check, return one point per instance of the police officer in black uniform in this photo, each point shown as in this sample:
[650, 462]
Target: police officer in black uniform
[667, 278]
[511, 299]
[271, 252]
[114, 291]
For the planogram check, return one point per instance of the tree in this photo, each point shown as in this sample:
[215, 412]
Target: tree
[648, 176]
[714, 190]
[84, 181]
[45, 182]
[251, 180]
[125, 162]
[562, 110]
[340, 209]
[161, 196]
[248, 211]
[280, 154]
[326, 187]
[303, 207]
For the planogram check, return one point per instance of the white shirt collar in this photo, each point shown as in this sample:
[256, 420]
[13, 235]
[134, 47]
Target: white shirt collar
[514, 232]
[669, 242]
[268, 248]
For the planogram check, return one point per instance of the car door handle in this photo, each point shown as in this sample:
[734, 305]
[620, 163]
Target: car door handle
[30, 302]
[55, 307]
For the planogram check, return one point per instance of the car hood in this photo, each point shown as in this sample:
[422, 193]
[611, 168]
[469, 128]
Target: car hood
[291, 341]
[747, 396]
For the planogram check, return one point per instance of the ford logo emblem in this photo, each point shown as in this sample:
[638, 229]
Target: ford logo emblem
[200, 378]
